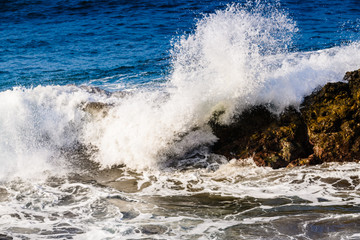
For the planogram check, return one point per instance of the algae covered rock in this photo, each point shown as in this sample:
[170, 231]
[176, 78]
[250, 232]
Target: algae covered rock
[282, 143]
[326, 129]
[333, 120]
[271, 140]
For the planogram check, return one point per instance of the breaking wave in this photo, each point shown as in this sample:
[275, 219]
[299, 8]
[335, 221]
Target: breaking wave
[235, 58]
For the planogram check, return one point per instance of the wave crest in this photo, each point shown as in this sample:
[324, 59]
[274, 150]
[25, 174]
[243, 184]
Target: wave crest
[235, 58]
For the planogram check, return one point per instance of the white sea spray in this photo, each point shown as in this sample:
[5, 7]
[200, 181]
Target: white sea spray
[235, 58]
[35, 124]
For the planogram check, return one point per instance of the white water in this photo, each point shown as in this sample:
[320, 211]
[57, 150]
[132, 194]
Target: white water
[34, 123]
[234, 59]
[196, 204]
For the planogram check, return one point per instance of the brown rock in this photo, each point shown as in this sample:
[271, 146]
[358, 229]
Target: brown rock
[326, 129]
[271, 140]
[333, 120]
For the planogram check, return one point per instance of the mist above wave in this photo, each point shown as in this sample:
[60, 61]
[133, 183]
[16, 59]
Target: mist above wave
[235, 58]
[215, 67]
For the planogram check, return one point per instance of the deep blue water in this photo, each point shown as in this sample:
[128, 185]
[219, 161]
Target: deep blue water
[72, 42]
[154, 175]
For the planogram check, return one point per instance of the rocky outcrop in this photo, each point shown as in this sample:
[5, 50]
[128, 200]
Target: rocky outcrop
[96, 109]
[326, 129]
[271, 140]
[332, 116]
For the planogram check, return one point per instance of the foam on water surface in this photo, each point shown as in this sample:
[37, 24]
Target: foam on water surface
[235, 58]
[61, 156]
[314, 201]
[143, 128]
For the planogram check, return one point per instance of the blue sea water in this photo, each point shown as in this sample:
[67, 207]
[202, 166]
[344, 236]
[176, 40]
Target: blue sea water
[104, 112]
[74, 42]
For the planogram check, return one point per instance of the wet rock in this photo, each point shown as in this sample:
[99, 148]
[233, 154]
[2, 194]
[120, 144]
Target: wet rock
[326, 129]
[129, 215]
[100, 109]
[97, 109]
[5, 237]
[271, 140]
[3, 195]
[333, 120]
[152, 229]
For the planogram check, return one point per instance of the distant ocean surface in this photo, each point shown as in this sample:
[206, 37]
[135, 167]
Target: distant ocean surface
[115, 43]
[104, 110]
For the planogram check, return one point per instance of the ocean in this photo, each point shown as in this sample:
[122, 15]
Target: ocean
[104, 112]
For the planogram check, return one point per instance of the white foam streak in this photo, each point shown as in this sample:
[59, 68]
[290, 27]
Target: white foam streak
[319, 185]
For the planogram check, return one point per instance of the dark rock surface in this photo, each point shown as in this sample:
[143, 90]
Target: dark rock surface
[332, 116]
[271, 140]
[326, 129]
[97, 108]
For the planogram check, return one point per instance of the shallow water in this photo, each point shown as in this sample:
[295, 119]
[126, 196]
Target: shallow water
[238, 201]
[104, 111]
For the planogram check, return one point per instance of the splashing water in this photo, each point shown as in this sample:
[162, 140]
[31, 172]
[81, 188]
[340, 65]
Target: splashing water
[234, 58]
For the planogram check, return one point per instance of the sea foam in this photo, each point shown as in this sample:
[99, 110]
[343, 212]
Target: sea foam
[234, 58]
[35, 124]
